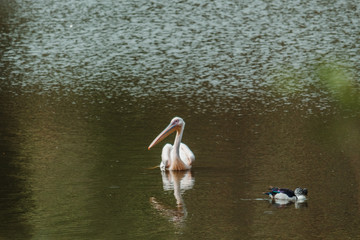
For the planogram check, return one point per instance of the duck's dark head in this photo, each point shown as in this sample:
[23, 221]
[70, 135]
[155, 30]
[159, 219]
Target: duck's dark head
[300, 191]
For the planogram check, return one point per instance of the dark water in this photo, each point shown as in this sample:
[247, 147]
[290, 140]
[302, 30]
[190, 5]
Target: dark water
[268, 89]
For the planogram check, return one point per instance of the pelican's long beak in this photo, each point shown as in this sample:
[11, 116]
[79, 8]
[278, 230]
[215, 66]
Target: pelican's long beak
[166, 132]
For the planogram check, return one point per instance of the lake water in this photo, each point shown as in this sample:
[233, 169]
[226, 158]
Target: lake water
[269, 92]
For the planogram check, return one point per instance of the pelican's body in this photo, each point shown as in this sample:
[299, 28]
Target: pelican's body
[177, 156]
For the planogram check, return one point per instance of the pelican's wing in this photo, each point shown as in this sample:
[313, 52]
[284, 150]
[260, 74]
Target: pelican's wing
[186, 154]
[165, 156]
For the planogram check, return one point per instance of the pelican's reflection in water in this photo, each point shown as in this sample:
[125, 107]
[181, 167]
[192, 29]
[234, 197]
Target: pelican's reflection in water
[179, 182]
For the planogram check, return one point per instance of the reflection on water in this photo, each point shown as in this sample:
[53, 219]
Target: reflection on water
[283, 203]
[179, 182]
[280, 203]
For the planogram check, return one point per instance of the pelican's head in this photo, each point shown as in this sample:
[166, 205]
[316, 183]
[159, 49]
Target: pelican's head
[176, 124]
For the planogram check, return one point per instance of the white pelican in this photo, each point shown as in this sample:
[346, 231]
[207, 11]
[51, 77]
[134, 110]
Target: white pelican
[177, 156]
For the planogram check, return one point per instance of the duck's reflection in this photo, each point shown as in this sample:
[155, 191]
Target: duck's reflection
[283, 203]
[179, 182]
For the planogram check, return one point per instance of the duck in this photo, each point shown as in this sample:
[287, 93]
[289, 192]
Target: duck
[299, 194]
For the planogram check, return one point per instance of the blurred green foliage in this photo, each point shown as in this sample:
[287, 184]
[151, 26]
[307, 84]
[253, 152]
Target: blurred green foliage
[333, 79]
[340, 83]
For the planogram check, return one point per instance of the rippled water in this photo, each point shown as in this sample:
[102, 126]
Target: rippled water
[269, 92]
[191, 48]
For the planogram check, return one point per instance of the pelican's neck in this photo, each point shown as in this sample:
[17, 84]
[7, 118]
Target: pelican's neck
[177, 141]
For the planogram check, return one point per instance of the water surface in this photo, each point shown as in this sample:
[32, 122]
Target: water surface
[268, 90]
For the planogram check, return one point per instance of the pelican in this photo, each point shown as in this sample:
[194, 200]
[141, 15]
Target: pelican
[177, 156]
